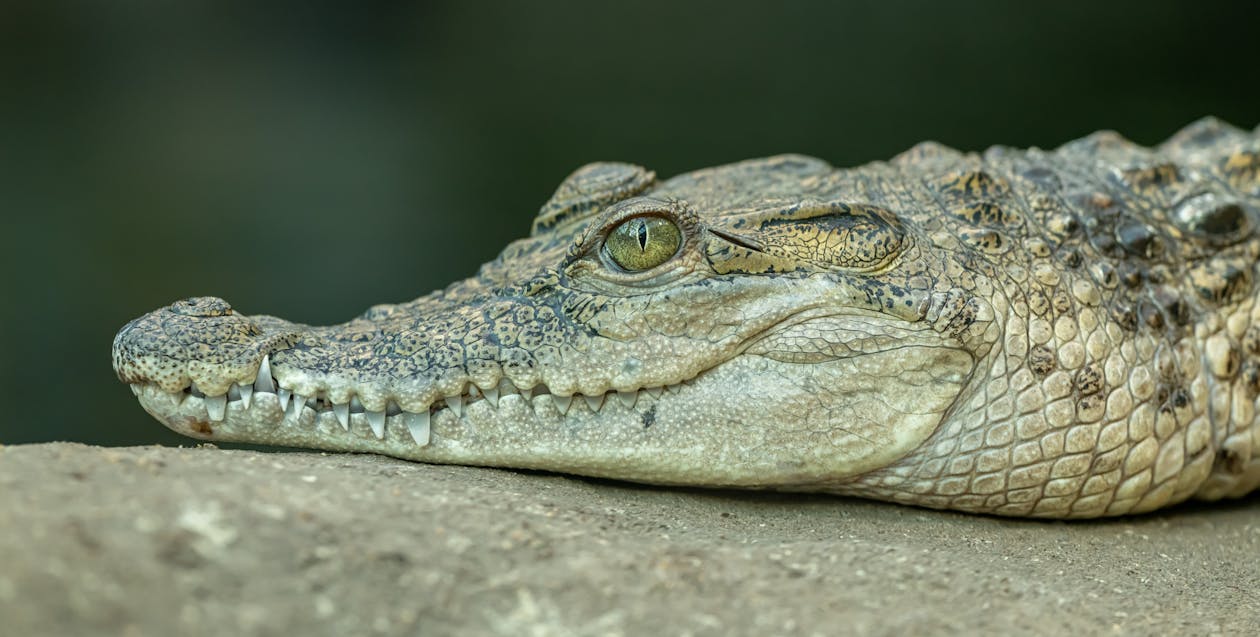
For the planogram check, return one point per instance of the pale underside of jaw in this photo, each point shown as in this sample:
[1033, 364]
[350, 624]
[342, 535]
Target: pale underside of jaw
[247, 400]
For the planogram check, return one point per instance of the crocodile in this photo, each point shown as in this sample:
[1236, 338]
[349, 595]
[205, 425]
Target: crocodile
[1065, 333]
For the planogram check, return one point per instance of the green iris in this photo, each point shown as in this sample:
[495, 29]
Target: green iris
[642, 243]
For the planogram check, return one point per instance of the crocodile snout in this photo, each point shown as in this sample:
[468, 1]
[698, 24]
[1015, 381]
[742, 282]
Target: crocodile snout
[199, 341]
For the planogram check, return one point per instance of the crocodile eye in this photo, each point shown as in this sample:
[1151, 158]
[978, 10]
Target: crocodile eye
[642, 243]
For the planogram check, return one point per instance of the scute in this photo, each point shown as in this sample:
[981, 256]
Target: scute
[590, 189]
[1214, 217]
[971, 185]
[1205, 133]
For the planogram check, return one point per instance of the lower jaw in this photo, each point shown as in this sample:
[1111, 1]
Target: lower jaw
[765, 435]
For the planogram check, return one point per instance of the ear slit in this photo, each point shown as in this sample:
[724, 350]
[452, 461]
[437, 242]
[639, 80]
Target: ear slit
[737, 240]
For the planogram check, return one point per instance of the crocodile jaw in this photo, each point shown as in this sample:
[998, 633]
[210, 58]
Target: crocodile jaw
[780, 432]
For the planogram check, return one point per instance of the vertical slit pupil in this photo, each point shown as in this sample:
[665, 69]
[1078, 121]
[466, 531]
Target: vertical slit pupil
[643, 235]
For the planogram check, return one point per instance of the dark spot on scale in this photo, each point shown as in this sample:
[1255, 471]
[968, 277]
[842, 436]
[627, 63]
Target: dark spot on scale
[1104, 243]
[1213, 217]
[1041, 360]
[1060, 300]
[1173, 306]
[1251, 340]
[1251, 378]
[649, 417]
[1125, 317]
[1179, 398]
[1130, 274]
[1220, 281]
[1089, 380]
[1231, 461]
[1138, 239]
[1151, 177]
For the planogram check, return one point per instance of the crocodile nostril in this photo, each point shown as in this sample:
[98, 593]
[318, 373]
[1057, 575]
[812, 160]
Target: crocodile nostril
[202, 306]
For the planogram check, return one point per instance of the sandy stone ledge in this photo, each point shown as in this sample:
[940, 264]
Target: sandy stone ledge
[204, 541]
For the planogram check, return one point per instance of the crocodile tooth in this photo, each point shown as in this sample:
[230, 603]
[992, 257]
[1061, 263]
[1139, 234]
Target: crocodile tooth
[595, 402]
[283, 394]
[135, 389]
[216, 407]
[264, 381]
[234, 392]
[507, 387]
[456, 404]
[673, 389]
[418, 426]
[628, 398]
[492, 395]
[299, 401]
[342, 411]
[376, 420]
[192, 389]
[529, 393]
[542, 398]
[356, 407]
[655, 392]
[562, 403]
[247, 394]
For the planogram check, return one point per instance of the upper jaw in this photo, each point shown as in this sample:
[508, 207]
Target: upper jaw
[261, 411]
[202, 368]
[199, 341]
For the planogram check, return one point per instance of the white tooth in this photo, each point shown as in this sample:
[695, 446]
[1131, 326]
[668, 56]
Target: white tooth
[654, 392]
[673, 389]
[299, 401]
[376, 419]
[529, 393]
[356, 407]
[342, 410]
[135, 389]
[474, 391]
[456, 403]
[234, 392]
[492, 395]
[541, 398]
[562, 403]
[247, 394]
[507, 387]
[283, 395]
[263, 382]
[216, 406]
[418, 425]
[595, 402]
[628, 398]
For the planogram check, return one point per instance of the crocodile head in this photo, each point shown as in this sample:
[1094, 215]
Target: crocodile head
[761, 324]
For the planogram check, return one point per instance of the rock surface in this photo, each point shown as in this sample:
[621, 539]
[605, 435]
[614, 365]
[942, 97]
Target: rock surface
[204, 541]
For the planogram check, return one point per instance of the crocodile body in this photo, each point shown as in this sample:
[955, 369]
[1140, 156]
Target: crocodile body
[1065, 333]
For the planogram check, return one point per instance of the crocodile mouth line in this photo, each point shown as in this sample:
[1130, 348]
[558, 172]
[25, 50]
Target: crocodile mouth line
[417, 423]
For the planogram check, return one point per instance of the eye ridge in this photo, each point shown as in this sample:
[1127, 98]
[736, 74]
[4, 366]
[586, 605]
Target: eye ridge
[642, 243]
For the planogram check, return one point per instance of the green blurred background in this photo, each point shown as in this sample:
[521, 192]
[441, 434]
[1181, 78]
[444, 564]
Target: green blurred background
[311, 159]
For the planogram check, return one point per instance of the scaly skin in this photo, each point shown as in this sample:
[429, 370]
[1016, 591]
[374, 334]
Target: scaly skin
[1067, 333]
